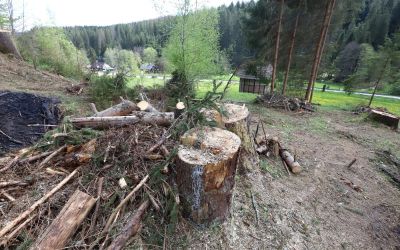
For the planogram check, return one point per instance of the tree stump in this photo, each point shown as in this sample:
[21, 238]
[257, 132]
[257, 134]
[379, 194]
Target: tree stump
[236, 119]
[206, 167]
[7, 45]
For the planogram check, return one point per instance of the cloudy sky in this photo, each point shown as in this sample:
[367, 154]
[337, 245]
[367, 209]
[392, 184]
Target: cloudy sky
[98, 12]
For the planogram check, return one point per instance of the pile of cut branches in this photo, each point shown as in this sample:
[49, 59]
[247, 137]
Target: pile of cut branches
[276, 100]
[95, 192]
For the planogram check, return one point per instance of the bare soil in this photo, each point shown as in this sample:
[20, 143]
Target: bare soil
[317, 209]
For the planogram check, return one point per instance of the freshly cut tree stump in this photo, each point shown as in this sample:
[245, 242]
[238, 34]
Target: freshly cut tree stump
[236, 119]
[67, 222]
[7, 45]
[206, 167]
[214, 116]
[385, 118]
[124, 108]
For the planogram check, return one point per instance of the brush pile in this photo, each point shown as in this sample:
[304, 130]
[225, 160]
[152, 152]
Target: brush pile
[89, 189]
[276, 100]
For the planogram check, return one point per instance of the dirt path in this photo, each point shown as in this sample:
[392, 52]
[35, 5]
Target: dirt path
[317, 209]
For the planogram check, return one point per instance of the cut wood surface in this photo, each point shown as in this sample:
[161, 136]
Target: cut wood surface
[67, 222]
[130, 229]
[35, 205]
[236, 120]
[79, 155]
[385, 118]
[290, 161]
[7, 44]
[205, 167]
[146, 106]
[161, 119]
[124, 108]
[179, 109]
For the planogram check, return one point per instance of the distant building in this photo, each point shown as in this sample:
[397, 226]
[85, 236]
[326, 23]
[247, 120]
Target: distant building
[148, 67]
[100, 66]
[250, 83]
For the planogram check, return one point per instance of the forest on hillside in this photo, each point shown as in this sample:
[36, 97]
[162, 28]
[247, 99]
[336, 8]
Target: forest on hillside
[247, 32]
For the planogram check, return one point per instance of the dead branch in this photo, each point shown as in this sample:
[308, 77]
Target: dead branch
[10, 164]
[13, 183]
[35, 157]
[8, 196]
[130, 229]
[32, 208]
[351, 163]
[51, 156]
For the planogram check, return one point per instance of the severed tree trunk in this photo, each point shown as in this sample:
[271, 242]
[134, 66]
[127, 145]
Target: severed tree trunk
[290, 161]
[124, 108]
[161, 119]
[146, 106]
[205, 173]
[236, 120]
[320, 45]
[67, 222]
[7, 44]
[278, 36]
[293, 38]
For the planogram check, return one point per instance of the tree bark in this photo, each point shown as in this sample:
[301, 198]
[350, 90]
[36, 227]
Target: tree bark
[124, 108]
[293, 38]
[130, 229]
[67, 222]
[205, 167]
[7, 44]
[322, 49]
[320, 44]
[278, 35]
[162, 119]
[236, 120]
[385, 118]
[378, 81]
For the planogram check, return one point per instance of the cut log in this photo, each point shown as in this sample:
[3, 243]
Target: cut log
[124, 108]
[7, 44]
[385, 118]
[146, 106]
[67, 222]
[290, 161]
[213, 116]
[205, 173]
[161, 119]
[130, 229]
[236, 119]
[179, 109]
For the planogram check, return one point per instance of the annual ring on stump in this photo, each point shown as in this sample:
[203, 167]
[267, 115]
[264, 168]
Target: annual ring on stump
[206, 167]
[234, 113]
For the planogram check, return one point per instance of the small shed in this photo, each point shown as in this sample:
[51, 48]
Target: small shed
[149, 67]
[251, 84]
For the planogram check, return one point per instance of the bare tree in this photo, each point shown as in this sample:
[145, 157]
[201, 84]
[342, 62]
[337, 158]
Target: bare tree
[293, 38]
[278, 35]
[320, 46]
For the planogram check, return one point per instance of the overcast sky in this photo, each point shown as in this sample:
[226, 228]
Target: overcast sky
[98, 12]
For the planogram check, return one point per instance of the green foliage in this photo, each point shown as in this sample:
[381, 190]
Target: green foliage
[192, 48]
[149, 55]
[104, 90]
[125, 61]
[49, 48]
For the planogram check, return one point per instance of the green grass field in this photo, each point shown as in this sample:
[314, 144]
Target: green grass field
[328, 100]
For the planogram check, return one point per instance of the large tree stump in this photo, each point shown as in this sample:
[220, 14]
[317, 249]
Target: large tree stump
[236, 119]
[68, 220]
[7, 45]
[206, 167]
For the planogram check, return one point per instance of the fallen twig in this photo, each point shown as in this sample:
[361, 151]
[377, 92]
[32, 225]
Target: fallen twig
[351, 163]
[10, 138]
[32, 208]
[254, 206]
[51, 156]
[35, 157]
